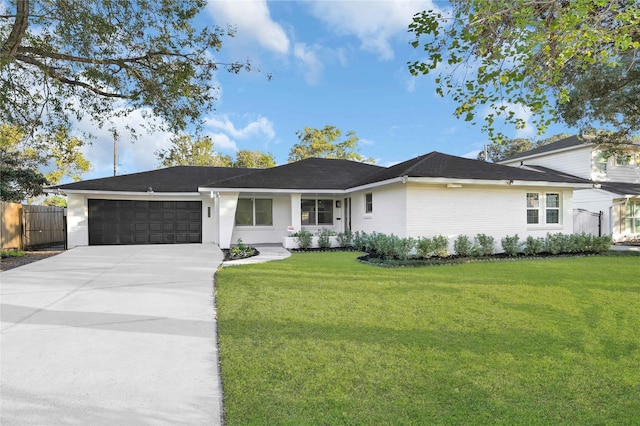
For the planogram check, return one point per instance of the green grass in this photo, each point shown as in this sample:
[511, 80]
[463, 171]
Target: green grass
[321, 339]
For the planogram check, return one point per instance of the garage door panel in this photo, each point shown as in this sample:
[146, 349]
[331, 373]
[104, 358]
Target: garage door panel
[144, 222]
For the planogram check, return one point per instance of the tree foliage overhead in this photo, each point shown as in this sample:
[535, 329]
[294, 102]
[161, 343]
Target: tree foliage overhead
[188, 151]
[575, 61]
[66, 59]
[323, 143]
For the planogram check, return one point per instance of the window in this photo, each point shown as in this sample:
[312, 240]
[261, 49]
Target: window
[601, 163]
[254, 212]
[553, 208]
[533, 207]
[368, 203]
[316, 212]
[550, 208]
[632, 217]
[624, 160]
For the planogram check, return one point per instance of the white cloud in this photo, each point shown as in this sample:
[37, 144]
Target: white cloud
[253, 22]
[260, 127]
[309, 62]
[374, 23]
[222, 142]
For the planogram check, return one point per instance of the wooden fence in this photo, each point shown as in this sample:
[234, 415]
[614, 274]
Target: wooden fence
[28, 227]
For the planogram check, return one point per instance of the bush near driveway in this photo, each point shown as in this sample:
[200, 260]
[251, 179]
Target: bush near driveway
[321, 339]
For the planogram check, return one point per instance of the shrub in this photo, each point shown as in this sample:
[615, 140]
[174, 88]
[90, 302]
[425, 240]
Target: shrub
[533, 246]
[484, 245]
[554, 243]
[462, 246]
[511, 245]
[304, 238]
[345, 239]
[241, 251]
[441, 245]
[400, 248]
[360, 240]
[324, 242]
[424, 247]
[602, 244]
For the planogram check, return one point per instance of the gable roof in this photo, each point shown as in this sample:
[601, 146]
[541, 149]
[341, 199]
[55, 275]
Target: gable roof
[310, 173]
[570, 142]
[171, 179]
[438, 165]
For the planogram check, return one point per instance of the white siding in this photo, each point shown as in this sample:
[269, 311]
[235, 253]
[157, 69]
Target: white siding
[629, 173]
[389, 210]
[267, 234]
[471, 210]
[576, 162]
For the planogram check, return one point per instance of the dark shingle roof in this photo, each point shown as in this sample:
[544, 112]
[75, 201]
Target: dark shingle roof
[311, 173]
[569, 142]
[438, 165]
[172, 179]
[621, 188]
[315, 174]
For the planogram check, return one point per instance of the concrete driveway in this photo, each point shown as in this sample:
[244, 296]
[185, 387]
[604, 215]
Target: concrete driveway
[113, 335]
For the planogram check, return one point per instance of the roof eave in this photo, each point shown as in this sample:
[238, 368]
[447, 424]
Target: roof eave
[61, 191]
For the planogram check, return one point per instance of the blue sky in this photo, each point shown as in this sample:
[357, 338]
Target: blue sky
[340, 63]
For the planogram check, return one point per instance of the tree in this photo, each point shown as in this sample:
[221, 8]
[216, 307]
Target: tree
[254, 159]
[188, 151]
[65, 60]
[19, 174]
[323, 143]
[545, 56]
[65, 151]
[500, 151]
[29, 165]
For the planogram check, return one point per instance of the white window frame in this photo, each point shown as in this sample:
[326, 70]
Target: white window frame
[253, 213]
[368, 203]
[539, 202]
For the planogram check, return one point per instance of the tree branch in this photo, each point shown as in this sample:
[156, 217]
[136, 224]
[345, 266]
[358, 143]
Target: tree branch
[51, 72]
[11, 45]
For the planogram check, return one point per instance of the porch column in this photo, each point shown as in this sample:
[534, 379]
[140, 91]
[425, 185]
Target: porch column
[296, 220]
[227, 203]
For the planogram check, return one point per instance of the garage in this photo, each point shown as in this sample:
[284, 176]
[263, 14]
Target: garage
[144, 222]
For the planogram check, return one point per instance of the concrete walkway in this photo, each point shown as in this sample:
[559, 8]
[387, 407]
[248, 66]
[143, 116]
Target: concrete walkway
[267, 254]
[120, 335]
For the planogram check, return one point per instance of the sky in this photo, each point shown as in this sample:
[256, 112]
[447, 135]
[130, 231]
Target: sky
[339, 63]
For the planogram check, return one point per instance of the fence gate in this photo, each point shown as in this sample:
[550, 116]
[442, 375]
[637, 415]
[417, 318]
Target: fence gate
[587, 222]
[44, 226]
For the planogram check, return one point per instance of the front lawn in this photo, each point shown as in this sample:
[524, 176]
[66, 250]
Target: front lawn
[322, 339]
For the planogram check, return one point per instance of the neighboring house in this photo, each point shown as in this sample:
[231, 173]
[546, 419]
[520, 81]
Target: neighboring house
[434, 194]
[616, 180]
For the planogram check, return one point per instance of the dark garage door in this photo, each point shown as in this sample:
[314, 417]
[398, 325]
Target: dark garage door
[144, 222]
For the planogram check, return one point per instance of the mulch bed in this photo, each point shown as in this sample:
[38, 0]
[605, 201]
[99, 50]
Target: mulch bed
[30, 256]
